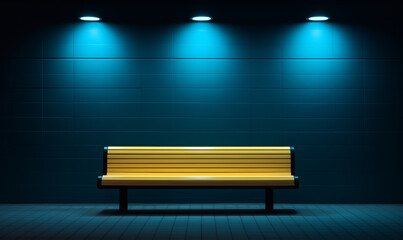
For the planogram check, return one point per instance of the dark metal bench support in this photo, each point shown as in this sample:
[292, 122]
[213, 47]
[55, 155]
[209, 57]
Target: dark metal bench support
[269, 199]
[123, 200]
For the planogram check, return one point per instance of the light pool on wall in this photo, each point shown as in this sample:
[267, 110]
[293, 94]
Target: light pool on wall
[98, 40]
[199, 43]
[97, 49]
[201, 40]
[316, 40]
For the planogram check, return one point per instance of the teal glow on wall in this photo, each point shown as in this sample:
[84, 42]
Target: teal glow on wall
[307, 40]
[97, 49]
[98, 40]
[201, 40]
[320, 40]
[317, 51]
[201, 43]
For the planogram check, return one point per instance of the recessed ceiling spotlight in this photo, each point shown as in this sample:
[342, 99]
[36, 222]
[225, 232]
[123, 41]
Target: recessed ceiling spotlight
[201, 18]
[318, 18]
[90, 18]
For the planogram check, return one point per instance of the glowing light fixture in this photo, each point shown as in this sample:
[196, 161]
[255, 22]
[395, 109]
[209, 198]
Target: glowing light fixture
[318, 18]
[90, 18]
[201, 18]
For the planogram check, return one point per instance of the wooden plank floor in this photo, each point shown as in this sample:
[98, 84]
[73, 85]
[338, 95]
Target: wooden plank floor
[201, 221]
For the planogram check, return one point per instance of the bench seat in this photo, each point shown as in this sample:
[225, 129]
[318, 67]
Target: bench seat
[215, 179]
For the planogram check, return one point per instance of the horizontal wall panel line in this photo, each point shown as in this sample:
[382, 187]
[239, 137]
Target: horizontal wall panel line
[199, 131]
[203, 103]
[197, 87]
[250, 87]
[232, 58]
[201, 117]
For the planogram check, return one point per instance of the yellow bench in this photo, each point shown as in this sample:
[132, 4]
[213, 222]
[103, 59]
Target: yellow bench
[177, 167]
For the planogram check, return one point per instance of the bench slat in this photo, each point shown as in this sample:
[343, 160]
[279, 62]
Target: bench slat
[199, 170]
[134, 161]
[144, 156]
[208, 148]
[195, 151]
[196, 165]
[223, 174]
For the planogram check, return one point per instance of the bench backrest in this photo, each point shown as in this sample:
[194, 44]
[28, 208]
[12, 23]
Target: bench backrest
[133, 160]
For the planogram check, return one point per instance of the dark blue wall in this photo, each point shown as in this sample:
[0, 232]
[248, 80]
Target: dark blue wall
[331, 90]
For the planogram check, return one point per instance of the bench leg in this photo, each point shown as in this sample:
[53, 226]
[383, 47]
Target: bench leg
[269, 199]
[123, 200]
